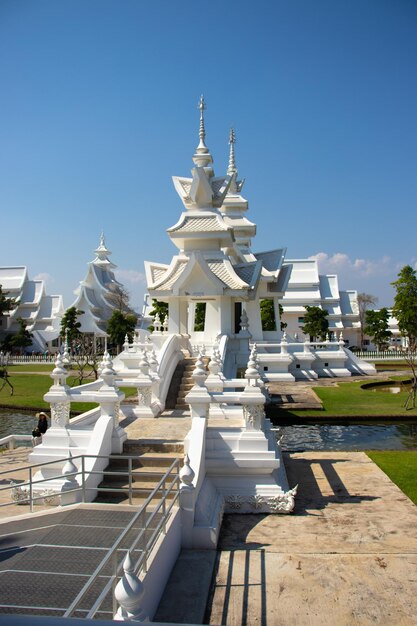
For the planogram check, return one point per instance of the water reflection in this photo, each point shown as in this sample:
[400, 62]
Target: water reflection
[16, 423]
[377, 436]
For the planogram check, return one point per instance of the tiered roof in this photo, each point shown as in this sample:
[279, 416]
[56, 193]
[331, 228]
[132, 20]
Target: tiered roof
[42, 313]
[95, 294]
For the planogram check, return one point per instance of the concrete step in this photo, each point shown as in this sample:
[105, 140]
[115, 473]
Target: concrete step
[145, 461]
[152, 447]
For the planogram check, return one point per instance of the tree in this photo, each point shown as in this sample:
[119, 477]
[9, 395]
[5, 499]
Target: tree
[283, 325]
[23, 338]
[119, 325]
[6, 304]
[200, 316]
[316, 323]
[159, 308]
[70, 326]
[119, 298]
[268, 314]
[405, 310]
[376, 326]
[365, 301]
[84, 358]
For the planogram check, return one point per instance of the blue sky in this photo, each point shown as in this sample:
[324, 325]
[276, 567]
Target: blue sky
[98, 110]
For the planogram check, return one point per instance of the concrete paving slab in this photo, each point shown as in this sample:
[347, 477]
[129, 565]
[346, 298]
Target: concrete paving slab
[186, 594]
[347, 556]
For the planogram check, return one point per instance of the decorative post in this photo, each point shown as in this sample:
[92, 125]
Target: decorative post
[187, 503]
[157, 324]
[59, 396]
[126, 344]
[68, 493]
[128, 593]
[252, 398]
[199, 398]
[66, 359]
[109, 397]
[144, 384]
[165, 324]
[214, 381]
[284, 343]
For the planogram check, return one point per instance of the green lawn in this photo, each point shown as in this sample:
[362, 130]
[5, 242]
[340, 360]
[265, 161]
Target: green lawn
[400, 467]
[29, 391]
[350, 399]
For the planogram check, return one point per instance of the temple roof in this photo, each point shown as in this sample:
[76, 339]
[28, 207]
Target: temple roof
[224, 275]
[272, 259]
[198, 224]
[172, 273]
[12, 278]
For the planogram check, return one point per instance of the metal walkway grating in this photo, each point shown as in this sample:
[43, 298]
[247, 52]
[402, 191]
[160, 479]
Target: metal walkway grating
[45, 560]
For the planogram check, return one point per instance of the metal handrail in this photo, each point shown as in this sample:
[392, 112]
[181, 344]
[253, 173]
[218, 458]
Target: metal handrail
[80, 472]
[112, 553]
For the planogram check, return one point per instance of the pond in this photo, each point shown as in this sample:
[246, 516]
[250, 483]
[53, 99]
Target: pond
[370, 436]
[16, 423]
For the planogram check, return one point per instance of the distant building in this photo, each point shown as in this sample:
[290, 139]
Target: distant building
[307, 287]
[99, 294]
[42, 313]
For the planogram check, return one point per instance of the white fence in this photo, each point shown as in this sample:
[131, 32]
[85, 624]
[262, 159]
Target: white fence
[388, 355]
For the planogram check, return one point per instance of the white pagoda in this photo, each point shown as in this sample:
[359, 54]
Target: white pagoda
[215, 284]
[96, 294]
[214, 266]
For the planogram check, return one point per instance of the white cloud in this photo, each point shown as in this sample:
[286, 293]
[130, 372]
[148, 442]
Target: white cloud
[47, 278]
[343, 264]
[130, 276]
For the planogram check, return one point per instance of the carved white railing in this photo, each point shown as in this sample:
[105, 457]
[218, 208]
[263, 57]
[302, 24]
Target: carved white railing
[169, 357]
[11, 440]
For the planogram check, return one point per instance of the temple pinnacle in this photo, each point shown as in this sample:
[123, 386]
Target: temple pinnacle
[232, 165]
[202, 156]
[202, 148]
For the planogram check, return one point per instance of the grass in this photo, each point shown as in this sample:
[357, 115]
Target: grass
[29, 391]
[350, 399]
[400, 467]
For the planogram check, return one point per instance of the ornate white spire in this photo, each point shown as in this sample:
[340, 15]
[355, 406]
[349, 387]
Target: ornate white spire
[235, 185]
[232, 165]
[202, 156]
[102, 252]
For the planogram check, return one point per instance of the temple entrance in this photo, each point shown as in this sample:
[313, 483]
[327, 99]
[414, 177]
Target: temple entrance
[238, 315]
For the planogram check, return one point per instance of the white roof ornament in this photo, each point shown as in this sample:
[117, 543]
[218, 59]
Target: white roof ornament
[102, 252]
[202, 156]
[235, 185]
[232, 165]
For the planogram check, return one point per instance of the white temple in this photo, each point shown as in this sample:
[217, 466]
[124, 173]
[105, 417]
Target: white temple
[96, 293]
[233, 461]
[216, 269]
[42, 313]
[307, 287]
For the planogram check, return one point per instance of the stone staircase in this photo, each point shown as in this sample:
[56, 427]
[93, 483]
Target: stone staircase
[151, 463]
[186, 384]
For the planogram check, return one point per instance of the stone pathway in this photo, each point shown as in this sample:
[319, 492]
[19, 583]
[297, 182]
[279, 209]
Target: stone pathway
[347, 556]
[293, 396]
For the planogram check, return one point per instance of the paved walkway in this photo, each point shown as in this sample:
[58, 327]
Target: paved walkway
[347, 556]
